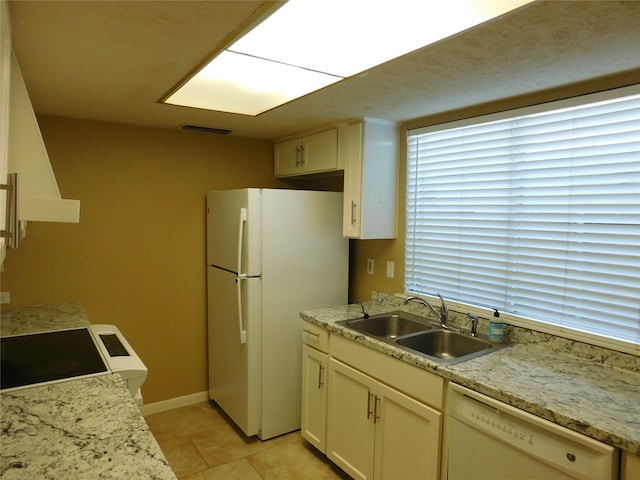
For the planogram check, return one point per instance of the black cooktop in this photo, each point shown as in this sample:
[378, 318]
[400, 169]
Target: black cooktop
[44, 357]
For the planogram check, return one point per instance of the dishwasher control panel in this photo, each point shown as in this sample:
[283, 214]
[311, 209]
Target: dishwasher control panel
[492, 419]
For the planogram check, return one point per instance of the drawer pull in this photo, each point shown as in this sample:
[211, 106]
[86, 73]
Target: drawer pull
[369, 412]
[312, 333]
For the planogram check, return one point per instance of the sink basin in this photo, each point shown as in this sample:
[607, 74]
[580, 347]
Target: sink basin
[388, 325]
[415, 335]
[446, 346]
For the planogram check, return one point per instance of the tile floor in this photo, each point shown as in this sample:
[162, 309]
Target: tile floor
[201, 443]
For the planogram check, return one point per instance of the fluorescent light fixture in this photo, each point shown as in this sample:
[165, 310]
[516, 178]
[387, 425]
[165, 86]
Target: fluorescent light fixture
[238, 83]
[307, 45]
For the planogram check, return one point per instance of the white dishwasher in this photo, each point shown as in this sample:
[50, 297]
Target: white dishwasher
[491, 440]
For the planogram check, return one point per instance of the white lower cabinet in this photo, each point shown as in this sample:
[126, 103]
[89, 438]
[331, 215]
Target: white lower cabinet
[314, 397]
[373, 415]
[376, 432]
[350, 427]
[630, 468]
[407, 437]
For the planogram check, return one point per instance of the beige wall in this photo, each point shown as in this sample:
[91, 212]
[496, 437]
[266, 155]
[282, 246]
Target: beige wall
[137, 257]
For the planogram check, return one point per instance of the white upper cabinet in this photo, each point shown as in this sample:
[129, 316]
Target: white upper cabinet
[369, 153]
[313, 153]
[23, 153]
[367, 150]
[39, 198]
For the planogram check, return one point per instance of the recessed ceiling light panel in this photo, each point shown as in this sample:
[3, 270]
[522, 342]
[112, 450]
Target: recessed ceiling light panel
[247, 85]
[306, 45]
[346, 37]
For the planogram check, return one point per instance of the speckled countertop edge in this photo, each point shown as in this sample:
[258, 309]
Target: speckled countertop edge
[88, 428]
[599, 401]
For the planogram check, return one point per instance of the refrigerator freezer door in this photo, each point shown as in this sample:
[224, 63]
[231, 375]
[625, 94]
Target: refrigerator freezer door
[233, 230]
[234, 367]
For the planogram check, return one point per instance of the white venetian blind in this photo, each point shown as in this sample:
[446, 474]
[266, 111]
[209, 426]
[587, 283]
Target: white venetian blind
[537, 215]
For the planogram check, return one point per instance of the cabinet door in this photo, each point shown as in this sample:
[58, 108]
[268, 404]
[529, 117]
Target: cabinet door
[287, 157]
[369, 153]
[320, 152]
[350, 427]
[314, 397]
[407, 443]
[351, 150]
[630, 467]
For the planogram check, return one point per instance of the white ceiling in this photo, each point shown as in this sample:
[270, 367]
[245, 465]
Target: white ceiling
[113, 60]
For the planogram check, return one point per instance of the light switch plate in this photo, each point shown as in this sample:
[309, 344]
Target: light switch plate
[5, 297]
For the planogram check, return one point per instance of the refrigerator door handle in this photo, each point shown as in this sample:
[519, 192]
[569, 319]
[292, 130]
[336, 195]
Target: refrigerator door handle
[243, 220]
[243, 332]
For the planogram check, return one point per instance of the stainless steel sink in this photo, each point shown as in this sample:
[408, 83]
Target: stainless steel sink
[416, 335]
[447, 346]
[388, 325]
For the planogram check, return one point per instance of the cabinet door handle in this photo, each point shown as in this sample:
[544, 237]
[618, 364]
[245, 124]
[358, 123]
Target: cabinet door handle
[12, 224]
[302, 156]
[375, 409]
[320, 372]
[369, 412]
[297, 156]
[353, 212]
[311, 333]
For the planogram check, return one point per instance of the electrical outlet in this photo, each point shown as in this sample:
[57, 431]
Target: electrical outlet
[5, 297]
[391, 266]
[370, 266]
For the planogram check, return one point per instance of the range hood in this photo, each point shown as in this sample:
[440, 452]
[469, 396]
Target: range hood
[39, 198]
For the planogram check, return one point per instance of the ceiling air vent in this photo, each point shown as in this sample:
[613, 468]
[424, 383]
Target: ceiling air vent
[199, 128]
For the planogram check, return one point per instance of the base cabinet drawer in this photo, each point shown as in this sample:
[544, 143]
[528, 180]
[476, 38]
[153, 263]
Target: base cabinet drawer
[315, 336]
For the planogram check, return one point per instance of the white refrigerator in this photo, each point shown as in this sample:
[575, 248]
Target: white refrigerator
[270, 254]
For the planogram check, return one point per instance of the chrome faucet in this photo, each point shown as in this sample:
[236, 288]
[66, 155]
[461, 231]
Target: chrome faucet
[423, 302]
[474, 325]
[444, 311]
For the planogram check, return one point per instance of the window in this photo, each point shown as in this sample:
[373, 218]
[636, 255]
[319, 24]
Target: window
[534, 212]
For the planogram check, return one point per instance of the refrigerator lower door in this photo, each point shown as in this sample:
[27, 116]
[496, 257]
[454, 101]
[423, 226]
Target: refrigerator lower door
[234, 367]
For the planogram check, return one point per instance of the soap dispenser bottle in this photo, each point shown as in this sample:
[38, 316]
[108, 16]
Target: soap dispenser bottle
[496, 328]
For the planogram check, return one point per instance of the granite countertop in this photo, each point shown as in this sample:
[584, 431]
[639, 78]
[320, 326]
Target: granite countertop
[81, 429]
[595, 392]
[42, 318]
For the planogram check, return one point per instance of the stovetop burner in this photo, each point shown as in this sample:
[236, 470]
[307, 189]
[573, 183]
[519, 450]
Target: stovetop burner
[44, 357]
